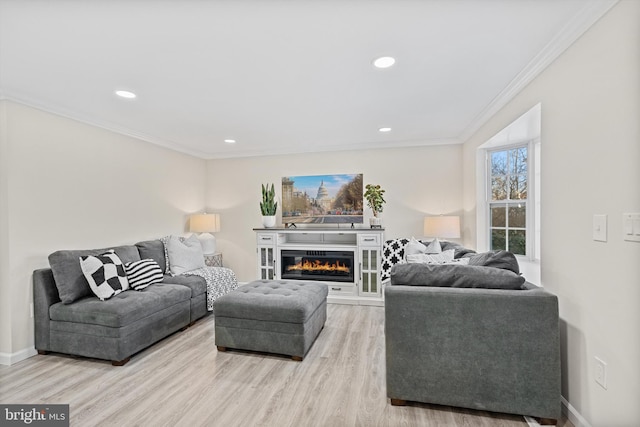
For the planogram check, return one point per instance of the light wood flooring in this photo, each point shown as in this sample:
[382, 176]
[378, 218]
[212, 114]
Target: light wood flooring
[184, 381]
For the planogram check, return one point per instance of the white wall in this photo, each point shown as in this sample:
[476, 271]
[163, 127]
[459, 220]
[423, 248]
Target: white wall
[73, 186]
[417, 181]
[5, 296]
[590, 165]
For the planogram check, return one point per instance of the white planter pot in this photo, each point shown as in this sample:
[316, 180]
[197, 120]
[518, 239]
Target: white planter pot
[375, 222]
[269, 221]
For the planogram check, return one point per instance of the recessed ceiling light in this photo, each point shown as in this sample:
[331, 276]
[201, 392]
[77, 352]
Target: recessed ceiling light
[384, 130]
[125, 94]
[384, 62]
[230, 141]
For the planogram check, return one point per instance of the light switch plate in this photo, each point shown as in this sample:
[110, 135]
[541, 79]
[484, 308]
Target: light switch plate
[631, 227]
[600, 228]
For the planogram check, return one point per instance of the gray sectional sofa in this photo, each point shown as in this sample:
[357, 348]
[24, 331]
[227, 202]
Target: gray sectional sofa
[472, 336]
[70, 319]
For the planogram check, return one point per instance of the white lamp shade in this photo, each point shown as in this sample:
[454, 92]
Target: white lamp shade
[442, 226]
[204, 223]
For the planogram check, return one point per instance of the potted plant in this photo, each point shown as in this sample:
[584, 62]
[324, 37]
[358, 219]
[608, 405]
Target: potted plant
[268, 206]
[374, 195]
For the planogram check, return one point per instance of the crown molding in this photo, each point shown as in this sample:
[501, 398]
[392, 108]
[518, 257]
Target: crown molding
[222, 155]
[571, 32]
[111, 127]
[333, 148]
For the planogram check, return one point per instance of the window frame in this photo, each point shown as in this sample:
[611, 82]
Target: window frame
[506, 203]
[530, 202]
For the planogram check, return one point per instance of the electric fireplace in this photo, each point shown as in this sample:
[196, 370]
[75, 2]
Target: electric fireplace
[331, 266]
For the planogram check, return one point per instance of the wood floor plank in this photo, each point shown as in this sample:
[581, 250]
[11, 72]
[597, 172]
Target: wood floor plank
[185, 380]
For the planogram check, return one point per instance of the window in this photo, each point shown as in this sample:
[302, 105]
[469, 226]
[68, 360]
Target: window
[507, 199]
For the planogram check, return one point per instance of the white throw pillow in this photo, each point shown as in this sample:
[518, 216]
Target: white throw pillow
[105, 273]
[434, 247]
[441, 258]
[414, 247]
[184, 256]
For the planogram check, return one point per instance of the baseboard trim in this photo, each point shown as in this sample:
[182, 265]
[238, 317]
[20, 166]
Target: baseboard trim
[572, 413]
[9, 359]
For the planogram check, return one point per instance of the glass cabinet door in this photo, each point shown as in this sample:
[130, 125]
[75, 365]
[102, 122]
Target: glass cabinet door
[369, 267]
[266, 263]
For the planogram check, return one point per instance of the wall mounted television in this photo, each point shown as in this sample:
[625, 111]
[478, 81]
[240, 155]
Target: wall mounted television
[322, 199]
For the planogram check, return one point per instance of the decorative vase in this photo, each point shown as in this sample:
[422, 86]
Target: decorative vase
[268, 221]
[375, 222]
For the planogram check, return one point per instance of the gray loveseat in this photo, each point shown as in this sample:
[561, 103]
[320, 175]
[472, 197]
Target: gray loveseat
[70, 319]
[487, 349]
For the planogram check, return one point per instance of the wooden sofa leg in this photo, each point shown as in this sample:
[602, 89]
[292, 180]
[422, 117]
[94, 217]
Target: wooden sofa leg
[43, 352]
[297, 358]
[398, 402]
[221, 348]
[120, 362]
[547, 421]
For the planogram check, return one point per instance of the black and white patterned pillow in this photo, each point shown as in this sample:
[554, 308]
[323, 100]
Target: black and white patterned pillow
[143, 273]
[105, 273]
[392, 254]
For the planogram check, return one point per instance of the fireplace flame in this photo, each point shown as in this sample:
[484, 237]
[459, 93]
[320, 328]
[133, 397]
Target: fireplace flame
[317, 265]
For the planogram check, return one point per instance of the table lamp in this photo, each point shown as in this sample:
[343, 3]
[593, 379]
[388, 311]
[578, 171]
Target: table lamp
[205, 224]
[447, 227]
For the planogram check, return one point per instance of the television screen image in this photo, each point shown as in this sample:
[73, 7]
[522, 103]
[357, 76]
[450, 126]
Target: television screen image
[322, 199]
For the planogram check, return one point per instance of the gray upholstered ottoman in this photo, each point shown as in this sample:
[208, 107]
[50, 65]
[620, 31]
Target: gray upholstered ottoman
[273, 316]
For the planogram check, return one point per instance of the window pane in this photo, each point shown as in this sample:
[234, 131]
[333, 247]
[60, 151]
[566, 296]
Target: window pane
[518, 187]
[517, 216]
[517, 242]
[499, 163]
[518, 161]
[498, 215]
[498, 188]
[498, 240]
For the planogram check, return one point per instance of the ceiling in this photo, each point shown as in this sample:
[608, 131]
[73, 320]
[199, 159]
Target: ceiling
[282, 76]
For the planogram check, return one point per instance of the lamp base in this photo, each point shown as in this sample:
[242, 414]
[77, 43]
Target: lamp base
[208, 243]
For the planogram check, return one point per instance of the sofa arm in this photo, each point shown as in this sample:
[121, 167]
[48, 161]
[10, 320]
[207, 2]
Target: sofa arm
[486, 349]
[45, 294]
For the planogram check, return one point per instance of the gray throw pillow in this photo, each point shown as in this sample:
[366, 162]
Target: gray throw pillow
[455, 276]
[498, 259]
[184, 256]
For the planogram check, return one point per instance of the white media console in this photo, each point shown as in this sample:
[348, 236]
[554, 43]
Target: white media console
[346, 259]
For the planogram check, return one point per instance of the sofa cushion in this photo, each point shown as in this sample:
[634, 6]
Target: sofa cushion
[105, 274]
[153, 249]
[184, 255]
[143, 273]
[123, 309]
[455, 276]
[197, 284]
[70, 280]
